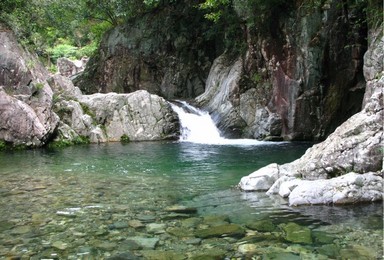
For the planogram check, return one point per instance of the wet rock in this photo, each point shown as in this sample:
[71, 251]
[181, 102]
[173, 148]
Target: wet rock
[136, 223]
[174, 215]
[21, 230]
[179, 231]
[208, 254]
[281, 256]
[357, 252]
[163, 255]
[330, 250]
[60, 245]
[247, 249]
[215, 220]
[105, 245]
[69, 214]
[146, 218]
[145, 242]
[156, 228]
[262, 226]
[129, 245]
[118, 225]
[230, 230]
[322, 237]
[5, 225]
[192, 241]
[296, 233]
[124, 256]
[181, 209]
[190, 222]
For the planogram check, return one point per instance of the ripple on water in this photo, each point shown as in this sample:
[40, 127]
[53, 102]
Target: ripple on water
[116, 197]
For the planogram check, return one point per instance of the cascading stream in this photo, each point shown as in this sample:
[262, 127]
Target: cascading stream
[197, 126]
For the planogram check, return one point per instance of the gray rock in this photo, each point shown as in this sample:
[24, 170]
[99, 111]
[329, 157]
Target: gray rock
[349, 188]
[352, 151]
[26, 116]
[68, 68]
[230, 230]
[145, 242]
[139, 115]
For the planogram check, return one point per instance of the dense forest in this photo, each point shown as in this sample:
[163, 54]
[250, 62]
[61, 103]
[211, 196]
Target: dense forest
[74, 28]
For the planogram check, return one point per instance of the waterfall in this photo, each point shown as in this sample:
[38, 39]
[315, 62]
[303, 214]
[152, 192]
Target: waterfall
[197, 126]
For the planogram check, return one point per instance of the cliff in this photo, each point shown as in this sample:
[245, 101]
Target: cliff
[296, 75]
[348, 166]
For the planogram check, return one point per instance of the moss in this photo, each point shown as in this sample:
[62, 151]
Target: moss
[79, 140]
[87, 111]
[124, 138]
[3, 145]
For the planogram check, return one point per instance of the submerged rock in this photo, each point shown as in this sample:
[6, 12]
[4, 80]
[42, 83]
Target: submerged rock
[230, 230]
[296, 233]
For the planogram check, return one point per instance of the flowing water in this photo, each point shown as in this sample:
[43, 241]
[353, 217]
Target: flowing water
[168, 200]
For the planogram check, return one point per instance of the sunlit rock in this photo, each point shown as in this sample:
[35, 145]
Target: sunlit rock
[26, 116]
[349, 188]
[262, 179]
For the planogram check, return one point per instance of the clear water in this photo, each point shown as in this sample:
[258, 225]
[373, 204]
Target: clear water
[66, 203]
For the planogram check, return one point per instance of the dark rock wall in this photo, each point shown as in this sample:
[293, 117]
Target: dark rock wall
[301, 71]
[162, 52]
[314, 63]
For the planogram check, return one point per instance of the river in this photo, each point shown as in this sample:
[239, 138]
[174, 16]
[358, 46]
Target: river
[100, 201]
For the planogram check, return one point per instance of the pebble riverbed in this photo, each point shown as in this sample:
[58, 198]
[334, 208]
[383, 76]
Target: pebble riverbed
[70, 217]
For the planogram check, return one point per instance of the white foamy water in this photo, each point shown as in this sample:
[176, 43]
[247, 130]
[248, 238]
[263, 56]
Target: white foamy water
[197, 126]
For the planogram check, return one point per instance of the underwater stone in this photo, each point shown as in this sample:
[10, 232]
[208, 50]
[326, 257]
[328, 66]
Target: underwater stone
[262, 226]
[296, 233]
[231, 230]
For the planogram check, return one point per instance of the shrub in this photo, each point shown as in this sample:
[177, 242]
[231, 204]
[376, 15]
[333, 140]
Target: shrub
[124, 138]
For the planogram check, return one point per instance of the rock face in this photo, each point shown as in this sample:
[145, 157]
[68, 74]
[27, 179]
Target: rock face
[299, 81]
[138, 116]
[353, 152]
[36, 108]
[68, 68]
[26, 117]
[161, 52]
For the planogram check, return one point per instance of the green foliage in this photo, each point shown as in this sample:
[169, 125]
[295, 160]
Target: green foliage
[63, 50]
[3, 145]
[78, 140]
[87, 110]
[125, 138]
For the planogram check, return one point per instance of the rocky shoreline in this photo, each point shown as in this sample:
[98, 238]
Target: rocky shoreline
[348, 166]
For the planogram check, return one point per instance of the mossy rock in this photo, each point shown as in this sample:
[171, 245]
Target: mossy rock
[262, 226]
[296, 233]
[209, 254]
[322, 237]
[231, 230]
[216, 220]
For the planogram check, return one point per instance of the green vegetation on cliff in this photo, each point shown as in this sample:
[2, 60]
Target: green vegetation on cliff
[74, 29]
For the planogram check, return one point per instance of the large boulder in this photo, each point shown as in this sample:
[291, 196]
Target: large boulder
[139, 115]
[98, 118]
[353, 151]
[26, 116]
